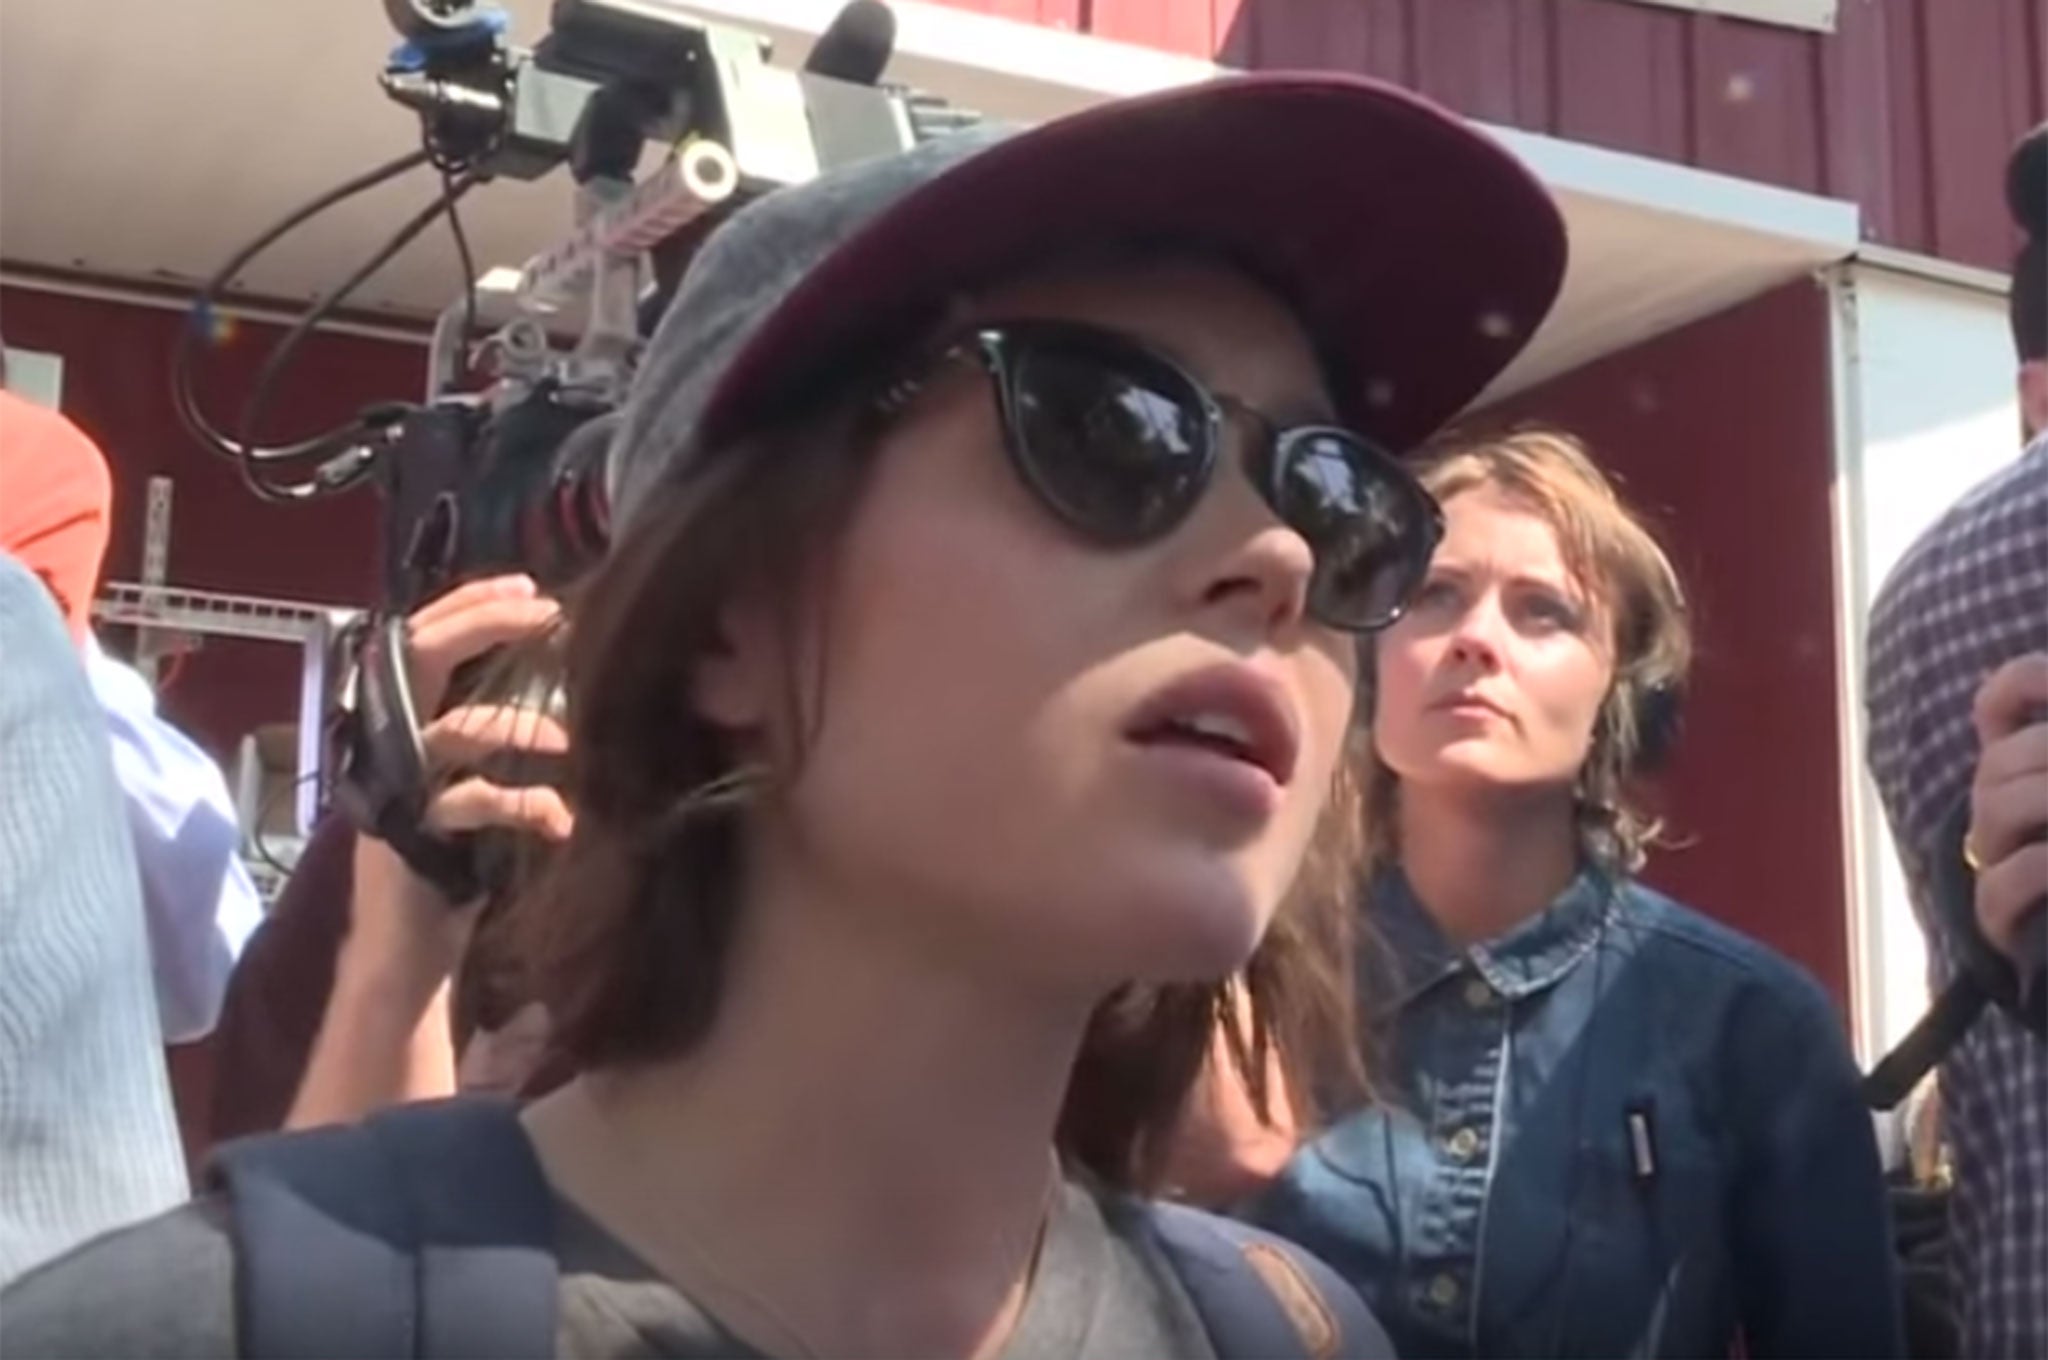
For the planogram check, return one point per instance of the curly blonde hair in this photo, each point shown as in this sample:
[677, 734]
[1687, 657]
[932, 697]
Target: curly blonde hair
[1619, 563]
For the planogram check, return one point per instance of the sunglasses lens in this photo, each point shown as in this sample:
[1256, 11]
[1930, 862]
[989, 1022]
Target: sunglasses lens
[1371, 525]
[1116, 443]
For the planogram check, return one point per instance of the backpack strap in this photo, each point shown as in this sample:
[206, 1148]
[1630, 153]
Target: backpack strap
[1260, 1297]
[425, 1233]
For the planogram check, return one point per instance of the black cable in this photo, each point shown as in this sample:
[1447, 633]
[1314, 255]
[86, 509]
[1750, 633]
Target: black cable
[455, 162]
[183, 399]
[259, 397]
[468, 271]
[263, 811]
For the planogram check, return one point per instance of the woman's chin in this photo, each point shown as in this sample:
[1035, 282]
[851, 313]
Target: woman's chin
[1187, 923]
[1478, 767]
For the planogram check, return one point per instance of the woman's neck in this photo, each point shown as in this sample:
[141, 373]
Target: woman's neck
[1481, 868]
[859, 1157]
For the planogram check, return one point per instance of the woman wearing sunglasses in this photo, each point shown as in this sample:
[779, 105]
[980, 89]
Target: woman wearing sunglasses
[1610, 1126]
[964, 699]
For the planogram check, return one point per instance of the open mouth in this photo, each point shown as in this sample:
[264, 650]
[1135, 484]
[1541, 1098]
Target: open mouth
[1210, 731]
[1228, 711]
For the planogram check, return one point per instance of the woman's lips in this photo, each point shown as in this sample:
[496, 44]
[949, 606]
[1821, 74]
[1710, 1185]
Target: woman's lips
[1227, 733]
[1470, 704]
[1232, 712]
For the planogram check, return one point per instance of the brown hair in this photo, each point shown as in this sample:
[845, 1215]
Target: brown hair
[626, 934]
[1617, 561]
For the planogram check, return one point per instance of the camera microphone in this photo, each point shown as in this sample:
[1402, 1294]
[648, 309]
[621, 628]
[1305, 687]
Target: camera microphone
[856, 46]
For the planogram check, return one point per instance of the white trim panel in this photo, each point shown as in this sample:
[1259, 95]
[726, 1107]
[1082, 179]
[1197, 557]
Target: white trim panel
[1925, 408]
[1680, 190]
[1817, 16]
[1916, 265]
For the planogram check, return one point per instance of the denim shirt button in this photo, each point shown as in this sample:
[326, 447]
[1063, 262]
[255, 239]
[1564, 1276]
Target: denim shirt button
[1478, 993]
[1442, 1291]
[1463, 1144]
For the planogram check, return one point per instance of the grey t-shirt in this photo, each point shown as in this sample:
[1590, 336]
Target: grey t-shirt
[165, 1288]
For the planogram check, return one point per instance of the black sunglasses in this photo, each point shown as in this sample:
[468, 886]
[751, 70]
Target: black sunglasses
[1120, 442]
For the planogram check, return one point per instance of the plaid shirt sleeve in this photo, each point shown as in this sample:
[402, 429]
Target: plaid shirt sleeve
[1969, 596]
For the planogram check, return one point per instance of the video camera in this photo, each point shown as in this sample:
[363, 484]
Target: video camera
[511, 475]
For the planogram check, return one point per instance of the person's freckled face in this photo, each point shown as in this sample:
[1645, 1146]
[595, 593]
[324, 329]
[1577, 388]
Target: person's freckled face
[977, 764]
[1494, 678]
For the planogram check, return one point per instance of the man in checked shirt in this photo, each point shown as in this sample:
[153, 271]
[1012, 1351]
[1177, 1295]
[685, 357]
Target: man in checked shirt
[1957, 692]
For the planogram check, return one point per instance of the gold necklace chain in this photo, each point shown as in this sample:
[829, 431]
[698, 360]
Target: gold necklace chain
[792, 1341]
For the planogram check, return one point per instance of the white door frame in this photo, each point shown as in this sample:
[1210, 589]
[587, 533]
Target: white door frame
[1924, 408]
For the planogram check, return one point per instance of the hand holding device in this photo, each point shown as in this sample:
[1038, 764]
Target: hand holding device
[2007, 842]
[425, 779]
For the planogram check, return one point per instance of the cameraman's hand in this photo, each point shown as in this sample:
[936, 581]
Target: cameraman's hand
[386, 1036]
[2009, 800]
[396, 916]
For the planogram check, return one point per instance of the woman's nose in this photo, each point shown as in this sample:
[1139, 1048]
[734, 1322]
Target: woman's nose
[1264, 573]
[1474, 641]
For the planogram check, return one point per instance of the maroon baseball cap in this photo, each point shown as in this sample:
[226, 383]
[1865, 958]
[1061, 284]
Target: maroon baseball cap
[1418, 252]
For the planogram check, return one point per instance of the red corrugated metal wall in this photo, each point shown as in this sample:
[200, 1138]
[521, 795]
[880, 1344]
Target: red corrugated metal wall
[1720, 432]
[117, 364]
[1907, 108]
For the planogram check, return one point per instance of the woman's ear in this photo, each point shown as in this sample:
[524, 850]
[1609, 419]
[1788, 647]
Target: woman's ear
[735, 683]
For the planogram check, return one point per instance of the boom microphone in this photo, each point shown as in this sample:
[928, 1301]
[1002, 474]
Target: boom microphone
[855, 47]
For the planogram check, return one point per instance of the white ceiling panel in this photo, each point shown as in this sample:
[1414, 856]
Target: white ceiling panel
[146, 140]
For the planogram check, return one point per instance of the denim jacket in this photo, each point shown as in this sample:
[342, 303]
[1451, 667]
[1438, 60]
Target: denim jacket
[1619, 1129]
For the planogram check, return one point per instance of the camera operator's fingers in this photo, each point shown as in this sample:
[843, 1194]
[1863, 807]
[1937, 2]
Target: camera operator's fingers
[514, 586]
[2007, 890]
[438, 646]
[478, 804]
[473, 733]
[2015, 695]
[2016, 755]
[2008, 813]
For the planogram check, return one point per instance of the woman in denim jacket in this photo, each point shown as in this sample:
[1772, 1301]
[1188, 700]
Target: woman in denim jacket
[1610, 1126]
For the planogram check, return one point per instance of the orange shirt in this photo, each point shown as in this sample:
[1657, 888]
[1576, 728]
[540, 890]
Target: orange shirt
[56, 499]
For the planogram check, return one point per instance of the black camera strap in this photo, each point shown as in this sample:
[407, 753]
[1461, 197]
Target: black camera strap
[380, 762]
[1984, 976]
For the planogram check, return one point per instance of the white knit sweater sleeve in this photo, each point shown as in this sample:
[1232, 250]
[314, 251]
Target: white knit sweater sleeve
[87, 1138]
